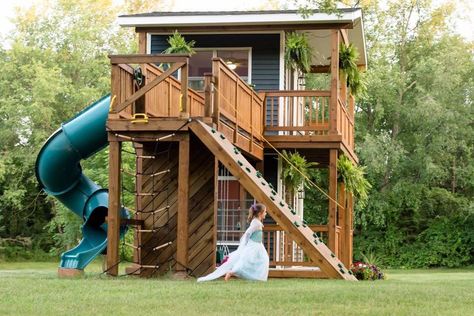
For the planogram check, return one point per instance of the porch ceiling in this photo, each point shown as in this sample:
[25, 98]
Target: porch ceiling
[320, 40]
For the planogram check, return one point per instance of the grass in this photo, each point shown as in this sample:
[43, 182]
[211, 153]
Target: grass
[33, 289]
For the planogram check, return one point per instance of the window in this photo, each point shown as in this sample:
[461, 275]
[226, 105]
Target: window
[238, 59]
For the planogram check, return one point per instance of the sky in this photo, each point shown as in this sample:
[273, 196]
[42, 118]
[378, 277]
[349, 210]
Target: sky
[464, 24]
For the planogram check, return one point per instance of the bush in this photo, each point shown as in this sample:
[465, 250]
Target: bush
[22, 249]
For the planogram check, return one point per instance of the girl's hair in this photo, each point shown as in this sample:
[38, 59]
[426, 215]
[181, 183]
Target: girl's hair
[254, 210]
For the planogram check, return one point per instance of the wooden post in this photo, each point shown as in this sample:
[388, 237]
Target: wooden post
[215, 106]
[215, 206]
[184, 89]
[263, 96]
[115, 90]
[137, 253]
[351, 110]
[342, 222]
[334, 82]
[183, 205]
[349, 238]
[142, 42]
[113, 214]
[332, 201]
[208, 94]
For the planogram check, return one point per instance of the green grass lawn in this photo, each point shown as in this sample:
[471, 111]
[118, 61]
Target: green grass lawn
[34, 289]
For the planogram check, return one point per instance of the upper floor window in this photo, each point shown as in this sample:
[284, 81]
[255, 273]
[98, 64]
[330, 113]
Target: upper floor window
[237, 59]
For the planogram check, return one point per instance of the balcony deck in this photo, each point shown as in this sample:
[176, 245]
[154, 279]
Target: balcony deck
[153, 101]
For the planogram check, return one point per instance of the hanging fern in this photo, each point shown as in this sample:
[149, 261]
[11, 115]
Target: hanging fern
[298, 52]
[354, 179]
[348, 57]
[294, 175]
[178, 45]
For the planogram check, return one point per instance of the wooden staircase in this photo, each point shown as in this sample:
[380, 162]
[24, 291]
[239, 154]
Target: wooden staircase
[256, 185]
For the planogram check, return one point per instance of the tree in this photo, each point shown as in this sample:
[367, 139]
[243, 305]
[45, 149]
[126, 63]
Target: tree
[57, 64]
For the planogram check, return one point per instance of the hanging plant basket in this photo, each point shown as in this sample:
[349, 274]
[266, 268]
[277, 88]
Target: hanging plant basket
[354, 179]
[178, 45]
[298, 52]
[348, 57]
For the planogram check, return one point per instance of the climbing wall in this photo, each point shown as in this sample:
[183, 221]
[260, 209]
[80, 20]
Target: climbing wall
[256, 185]
[157, 207]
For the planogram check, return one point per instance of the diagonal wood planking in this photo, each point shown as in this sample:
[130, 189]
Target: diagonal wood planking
[236, 163]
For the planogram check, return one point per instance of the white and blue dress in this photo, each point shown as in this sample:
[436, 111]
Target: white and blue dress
[250, 260]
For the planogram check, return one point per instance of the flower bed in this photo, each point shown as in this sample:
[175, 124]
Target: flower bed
[365, 271]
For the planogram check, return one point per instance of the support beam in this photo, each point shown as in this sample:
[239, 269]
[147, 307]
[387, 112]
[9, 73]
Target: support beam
[137, 252]
[342, 222]
[215, 207]
[332, 244]
[349, 223]
[183, 206]
[333, 106]
[142, 43]
[113, 215]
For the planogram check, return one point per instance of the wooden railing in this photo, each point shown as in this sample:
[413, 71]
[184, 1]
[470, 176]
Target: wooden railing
[307, 112]
[160, 94]
[238, 109]
[297, 112]
[345, 123]
[283, 251]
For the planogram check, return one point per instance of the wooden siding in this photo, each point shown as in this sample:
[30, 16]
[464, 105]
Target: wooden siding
[161, 228]
[265, 53]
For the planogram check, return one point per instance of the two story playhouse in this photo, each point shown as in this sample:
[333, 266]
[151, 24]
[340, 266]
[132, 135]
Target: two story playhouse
[207, 129]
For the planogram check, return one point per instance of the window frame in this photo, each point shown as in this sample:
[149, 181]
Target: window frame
[214, 55]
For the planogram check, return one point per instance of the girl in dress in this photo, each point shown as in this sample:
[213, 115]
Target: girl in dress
[250, 260]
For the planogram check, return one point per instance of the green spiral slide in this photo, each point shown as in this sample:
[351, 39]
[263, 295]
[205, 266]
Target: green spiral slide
[59, 172]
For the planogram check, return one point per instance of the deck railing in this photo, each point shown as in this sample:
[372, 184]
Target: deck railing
[297, 112]
[283, 250]
[238, 109]
[153, 91]
[308, 112]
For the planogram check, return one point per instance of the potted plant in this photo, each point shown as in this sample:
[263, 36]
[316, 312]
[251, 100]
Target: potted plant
[348, 57]
[295, 171]
[354, 179]
[178, 45]
[298, 52]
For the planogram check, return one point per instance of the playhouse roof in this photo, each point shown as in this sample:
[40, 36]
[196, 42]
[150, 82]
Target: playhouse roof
[316, 24]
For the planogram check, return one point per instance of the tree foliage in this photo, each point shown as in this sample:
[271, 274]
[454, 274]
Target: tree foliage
[56, 65]
[414, 126]
[415, 135]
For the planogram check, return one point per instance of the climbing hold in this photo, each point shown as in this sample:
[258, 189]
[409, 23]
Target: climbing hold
[342, 271]
[259, 175]
[236, 151]
[305, 224]
[282, 204]
[339, 265]
[333, 255]
[274, 192]
[296, 224]
[316, 241]
[271, 197]
[213, 130]
[222, 136]
[240, 163]
[293, 211]
[248, 169]
[350, 272]
[315, 235]
[263, 183]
